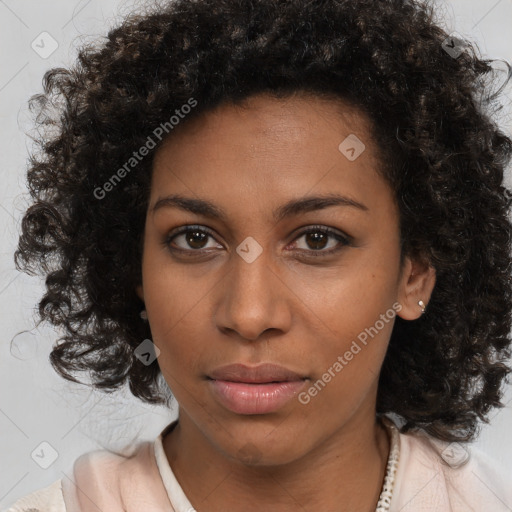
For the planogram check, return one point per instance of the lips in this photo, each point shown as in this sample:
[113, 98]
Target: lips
[254, 390]
[264, 373]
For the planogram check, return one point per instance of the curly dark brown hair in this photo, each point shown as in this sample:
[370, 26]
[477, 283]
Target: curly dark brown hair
[442, 153]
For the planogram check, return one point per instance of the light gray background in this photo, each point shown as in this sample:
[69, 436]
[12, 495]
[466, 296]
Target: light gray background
[36, 405]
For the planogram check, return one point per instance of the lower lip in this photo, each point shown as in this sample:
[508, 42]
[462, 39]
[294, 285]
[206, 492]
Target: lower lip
[244, 398]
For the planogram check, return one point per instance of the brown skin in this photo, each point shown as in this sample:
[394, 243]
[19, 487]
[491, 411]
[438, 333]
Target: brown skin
[285, 307]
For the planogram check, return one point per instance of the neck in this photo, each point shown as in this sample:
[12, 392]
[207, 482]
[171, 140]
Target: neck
[342, 474]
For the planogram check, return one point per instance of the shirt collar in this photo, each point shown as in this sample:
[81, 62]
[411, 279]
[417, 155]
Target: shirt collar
[177, 497]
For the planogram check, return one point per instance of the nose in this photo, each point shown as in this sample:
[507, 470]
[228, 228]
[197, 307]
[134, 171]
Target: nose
[252, 299]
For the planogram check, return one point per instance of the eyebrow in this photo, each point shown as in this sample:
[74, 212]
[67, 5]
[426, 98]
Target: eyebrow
[292, 207]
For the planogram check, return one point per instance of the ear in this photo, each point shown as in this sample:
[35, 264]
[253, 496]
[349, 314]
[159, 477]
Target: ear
[417, 281]
[140, 292]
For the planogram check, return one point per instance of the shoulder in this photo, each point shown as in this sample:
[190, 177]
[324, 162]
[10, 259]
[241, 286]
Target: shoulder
[454, 477]
[112, 482]
[103, 480]
[47, 499]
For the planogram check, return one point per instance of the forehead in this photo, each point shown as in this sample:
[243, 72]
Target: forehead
[266, 115]
[270, 149]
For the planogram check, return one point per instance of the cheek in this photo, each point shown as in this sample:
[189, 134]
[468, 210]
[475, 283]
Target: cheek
[176, 303]
[173, 293]
[177, 326]
[347, 364]
[351, 297]
[355, 336]
[182, 346]
[351, 319]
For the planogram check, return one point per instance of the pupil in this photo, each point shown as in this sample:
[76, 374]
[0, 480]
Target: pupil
[191, 240]
[318, 238]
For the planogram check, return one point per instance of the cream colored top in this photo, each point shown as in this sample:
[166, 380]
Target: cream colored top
[432, 476]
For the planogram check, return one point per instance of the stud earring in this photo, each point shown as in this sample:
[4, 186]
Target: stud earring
[144, 314]
[421, 304]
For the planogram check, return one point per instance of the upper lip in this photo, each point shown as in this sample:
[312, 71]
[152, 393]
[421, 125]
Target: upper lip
[254, 374]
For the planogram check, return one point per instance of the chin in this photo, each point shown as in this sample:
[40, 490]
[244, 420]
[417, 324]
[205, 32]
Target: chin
[251, 454]
[264, 443]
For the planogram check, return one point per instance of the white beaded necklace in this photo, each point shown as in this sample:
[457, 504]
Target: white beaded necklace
[394, 453]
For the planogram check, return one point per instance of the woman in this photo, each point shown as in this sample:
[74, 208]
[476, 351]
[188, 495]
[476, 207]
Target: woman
[294, 213]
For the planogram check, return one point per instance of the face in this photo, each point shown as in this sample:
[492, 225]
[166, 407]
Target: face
[283, 250]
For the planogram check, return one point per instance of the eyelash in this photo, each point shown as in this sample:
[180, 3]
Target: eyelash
[344, 240]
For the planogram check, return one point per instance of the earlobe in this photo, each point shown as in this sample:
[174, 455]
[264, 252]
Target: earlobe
[140, 292]
[415, 288]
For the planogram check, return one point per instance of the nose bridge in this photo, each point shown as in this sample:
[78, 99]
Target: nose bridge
[251, 274]
[252, 293]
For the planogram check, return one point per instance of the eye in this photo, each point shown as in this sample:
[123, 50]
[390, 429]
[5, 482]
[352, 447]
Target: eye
[193, 238]
[316, 239]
